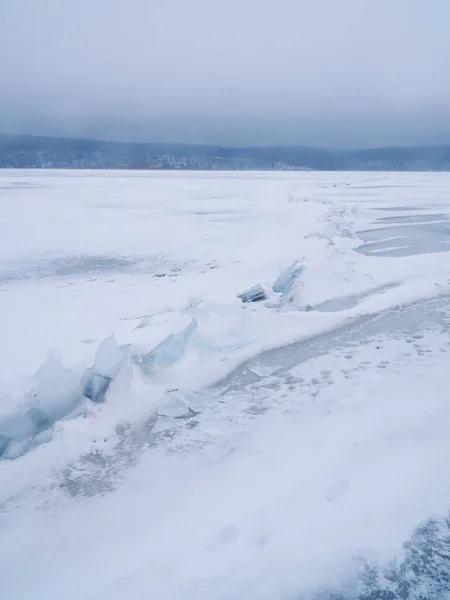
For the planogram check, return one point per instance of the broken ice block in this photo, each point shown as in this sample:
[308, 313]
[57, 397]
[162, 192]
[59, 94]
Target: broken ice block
[175, 406]
[168, 351]
[39, 420]
[198, 401]
[254, 294]
[145, 322]
[56, 394]
[4, 443]
[109, 358]
[14, 429]
[287, 278]
[94, 386]
[164, 424]
[16, 448]
[182, 403]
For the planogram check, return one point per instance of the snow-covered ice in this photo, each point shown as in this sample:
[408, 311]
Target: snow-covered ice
[290, 448]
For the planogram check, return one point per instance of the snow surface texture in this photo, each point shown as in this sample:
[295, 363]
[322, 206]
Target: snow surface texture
[295, 447]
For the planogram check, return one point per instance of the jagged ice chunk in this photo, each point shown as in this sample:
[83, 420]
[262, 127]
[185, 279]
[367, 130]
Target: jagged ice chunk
[286, 279]
[94, 386]
[110, 357]
[253, 294]
[168, 351]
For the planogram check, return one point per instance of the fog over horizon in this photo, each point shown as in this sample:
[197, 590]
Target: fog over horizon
[348, 74]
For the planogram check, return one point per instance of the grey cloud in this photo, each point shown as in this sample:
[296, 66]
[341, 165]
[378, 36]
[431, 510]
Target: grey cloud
[320, 72]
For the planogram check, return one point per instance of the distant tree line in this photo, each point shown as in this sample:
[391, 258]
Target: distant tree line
[33, 152]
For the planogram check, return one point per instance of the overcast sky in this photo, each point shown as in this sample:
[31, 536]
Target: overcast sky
[342, 73]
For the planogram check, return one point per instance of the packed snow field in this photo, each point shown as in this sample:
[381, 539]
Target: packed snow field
[224, 385]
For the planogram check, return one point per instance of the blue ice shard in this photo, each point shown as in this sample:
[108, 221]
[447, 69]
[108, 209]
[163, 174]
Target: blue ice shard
[253, 294]
[109, 359]
[285, 281]
[56, 394]
[4, 443]
[94, 386]
[16, 428]
[168, 351]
